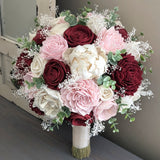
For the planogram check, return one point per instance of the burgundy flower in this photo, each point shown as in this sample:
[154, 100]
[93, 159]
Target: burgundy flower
[40, 37]
[55, 72]
[79, 120]
[128, 75]
[35, 109]
[79, 35]
[23, 63]
[122, 31]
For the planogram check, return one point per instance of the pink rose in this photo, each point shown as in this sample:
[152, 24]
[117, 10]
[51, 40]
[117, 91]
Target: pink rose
[81, 96]
[105, 110]
[110, 40]
[53, 47]
[33, 90]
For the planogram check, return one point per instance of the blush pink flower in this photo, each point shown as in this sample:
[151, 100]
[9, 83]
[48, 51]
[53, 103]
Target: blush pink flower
[105, 110]
[33, 90]
[110, 40]
[53, 47]
[81, 96]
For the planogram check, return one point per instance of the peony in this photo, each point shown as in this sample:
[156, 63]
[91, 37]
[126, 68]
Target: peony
[79, 120]
[53, 47]
[106, 93]
[49, 101]
[30, 92]
[79, 35]
[128, 76]
[81, 97]
[55, 72]
[110, 40]
[86, 61]
[105, 110]
[37, 66]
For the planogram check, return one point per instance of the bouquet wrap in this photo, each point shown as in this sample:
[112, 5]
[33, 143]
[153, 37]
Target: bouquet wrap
[81, 141]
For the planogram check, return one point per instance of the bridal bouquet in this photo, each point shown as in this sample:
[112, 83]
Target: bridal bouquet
[82, 69]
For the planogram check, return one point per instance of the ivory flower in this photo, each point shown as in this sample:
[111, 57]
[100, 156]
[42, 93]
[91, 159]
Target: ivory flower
[38, 65]
[105, 93]
[86, 61]
[49, 101]
[59, 29]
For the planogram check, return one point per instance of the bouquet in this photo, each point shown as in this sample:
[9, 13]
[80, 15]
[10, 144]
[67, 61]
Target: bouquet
[82, 69]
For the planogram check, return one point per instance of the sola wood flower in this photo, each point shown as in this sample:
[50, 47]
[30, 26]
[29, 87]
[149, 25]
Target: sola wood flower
[81, 96]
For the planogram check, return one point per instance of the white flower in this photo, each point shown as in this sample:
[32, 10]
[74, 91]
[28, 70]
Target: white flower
[86, 61]
[106, 93]
[129, 100]
[59, 29]
[31, 36]
[137, 48]
[38, 65]
[96, 22]
[49, 101]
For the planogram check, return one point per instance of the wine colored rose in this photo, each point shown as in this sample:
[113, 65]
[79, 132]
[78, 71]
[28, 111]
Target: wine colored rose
[55, 72]
[105, 110]
[23, 63]
[122, 31]
[128, 75]
[53, 47]
[79, 35]
[81, 96]
[40, 37]
[79, 120]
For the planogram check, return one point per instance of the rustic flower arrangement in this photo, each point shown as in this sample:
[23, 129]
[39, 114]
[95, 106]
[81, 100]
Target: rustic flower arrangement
[82, 69]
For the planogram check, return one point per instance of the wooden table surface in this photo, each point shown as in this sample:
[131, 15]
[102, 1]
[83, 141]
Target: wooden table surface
[22, 138]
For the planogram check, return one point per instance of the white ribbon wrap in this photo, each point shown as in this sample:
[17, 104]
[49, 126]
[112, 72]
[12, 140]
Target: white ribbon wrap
[81, 136]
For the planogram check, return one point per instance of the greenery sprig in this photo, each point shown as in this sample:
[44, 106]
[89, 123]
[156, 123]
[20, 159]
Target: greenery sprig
[106, 81]
[113, 58]
[36, 82]
[25, 44]
[113, 123]
[128, 114]
[65, 113]
[113, 17]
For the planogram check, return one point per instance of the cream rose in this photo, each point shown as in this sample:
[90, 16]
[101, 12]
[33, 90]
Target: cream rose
[105, 93]
[49, 101]
[86, 61]
[129, 100]
[59, 29]
[37, 66]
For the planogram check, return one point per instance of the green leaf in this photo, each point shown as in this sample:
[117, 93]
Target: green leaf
[113, 87]
[150, 70]
[124, 111]
[100, 80]
[143, 59]
[65, 13]
[144, 70]
[123, 51]
[132, 119]
[106, 84]
[107, 78]
[72, 20]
